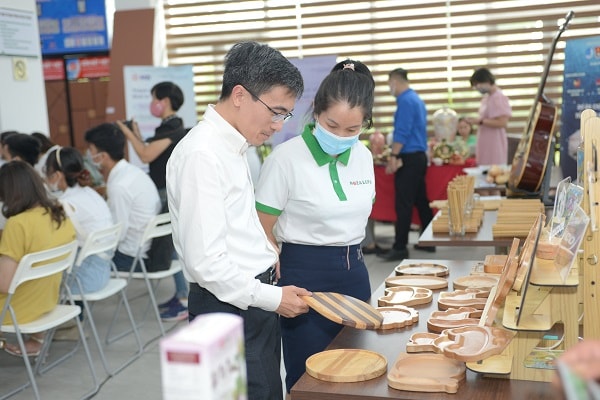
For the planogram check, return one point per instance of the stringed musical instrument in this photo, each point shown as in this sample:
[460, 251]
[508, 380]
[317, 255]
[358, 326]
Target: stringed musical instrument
[530, 159]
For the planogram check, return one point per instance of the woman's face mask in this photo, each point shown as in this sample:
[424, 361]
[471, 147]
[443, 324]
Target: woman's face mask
[93, 159]
[157, 108]
[331, 143]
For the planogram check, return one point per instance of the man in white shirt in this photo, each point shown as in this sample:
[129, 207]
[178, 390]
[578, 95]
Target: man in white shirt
[132, 196]
[224, 249]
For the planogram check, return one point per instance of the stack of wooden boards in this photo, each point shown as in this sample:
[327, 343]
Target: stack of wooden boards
[516, 217]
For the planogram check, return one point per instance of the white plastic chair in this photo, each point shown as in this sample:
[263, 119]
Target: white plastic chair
[103, 243]
[35, 266]
[159, 226]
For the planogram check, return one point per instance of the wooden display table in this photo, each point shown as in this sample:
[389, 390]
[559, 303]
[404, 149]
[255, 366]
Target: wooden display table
[391, 342]
[483, 237]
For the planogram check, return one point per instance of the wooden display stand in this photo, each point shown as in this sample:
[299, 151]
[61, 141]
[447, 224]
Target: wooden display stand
[548, 299]
[590, 131]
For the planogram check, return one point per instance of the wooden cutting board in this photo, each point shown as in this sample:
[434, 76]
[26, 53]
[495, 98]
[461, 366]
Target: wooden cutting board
[426, 373]
[422, 269]
[345, 310]
[346, 365]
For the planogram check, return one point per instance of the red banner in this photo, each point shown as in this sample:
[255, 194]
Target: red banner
[53, 70]
[88, 67]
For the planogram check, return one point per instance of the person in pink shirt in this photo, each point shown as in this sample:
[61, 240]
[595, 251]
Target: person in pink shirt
[494, 113]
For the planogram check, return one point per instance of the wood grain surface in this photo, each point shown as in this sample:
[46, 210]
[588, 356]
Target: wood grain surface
[426, 373]
[428, 282]
[346, 365]
[345, 310]
[428, 269]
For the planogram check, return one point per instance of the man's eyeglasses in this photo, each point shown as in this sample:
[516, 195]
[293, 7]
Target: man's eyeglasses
[277, 116]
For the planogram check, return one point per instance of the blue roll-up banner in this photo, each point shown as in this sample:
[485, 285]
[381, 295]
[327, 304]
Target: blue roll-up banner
[581, 91]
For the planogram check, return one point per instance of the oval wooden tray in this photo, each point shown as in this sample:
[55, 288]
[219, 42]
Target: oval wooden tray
[426, 373]
[485, 282]
[475, 298]
[428, 282]
[453, 318]
[345, 310]
[398, 316]
[346, 365]
[422, 269]
[405, 295]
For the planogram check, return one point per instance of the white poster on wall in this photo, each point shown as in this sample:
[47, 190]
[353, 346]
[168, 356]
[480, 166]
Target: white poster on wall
[313, 70]
[139, 80]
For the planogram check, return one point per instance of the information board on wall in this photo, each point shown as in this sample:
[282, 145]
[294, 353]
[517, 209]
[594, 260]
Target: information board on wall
[139, 80]
[581, 90]
[18, 36]
[72, 26]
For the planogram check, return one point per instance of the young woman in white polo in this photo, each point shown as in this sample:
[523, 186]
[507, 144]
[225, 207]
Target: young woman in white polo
[314, 196]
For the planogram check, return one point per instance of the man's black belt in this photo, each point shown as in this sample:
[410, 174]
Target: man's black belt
[267, 277]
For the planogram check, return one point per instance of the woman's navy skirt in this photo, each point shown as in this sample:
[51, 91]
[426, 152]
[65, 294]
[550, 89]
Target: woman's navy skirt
[318, 269]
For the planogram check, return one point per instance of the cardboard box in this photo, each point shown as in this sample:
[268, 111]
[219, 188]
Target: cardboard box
[205, 360]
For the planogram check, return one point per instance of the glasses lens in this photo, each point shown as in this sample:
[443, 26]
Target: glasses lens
[282, 117]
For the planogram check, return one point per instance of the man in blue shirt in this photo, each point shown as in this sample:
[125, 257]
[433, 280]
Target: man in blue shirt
[408, 161]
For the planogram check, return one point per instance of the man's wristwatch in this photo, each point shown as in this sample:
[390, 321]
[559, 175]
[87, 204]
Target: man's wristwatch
[395, 155]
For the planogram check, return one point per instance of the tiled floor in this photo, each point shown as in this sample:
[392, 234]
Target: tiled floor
[142, 379]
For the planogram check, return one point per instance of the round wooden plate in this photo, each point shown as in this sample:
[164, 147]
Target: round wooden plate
[475, 282]
[422, 269]
[428, 282]
[346, 365]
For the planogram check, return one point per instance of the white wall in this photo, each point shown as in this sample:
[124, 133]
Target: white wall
[23, 103]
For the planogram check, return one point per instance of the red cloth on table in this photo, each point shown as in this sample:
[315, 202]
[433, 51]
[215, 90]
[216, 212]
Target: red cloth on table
[436, 179]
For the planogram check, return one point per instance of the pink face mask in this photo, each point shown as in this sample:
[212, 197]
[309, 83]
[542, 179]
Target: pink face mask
[157, 108]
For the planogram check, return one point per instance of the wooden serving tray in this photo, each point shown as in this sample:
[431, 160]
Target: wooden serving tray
[429, 282]
[405, 295]
[475, 298]
[345, 310]
[426, 373]
[346, 365]
[468, 343]
[485, 282]
[453, 318]
[423, 342]
[422, 269]
[398, 316]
